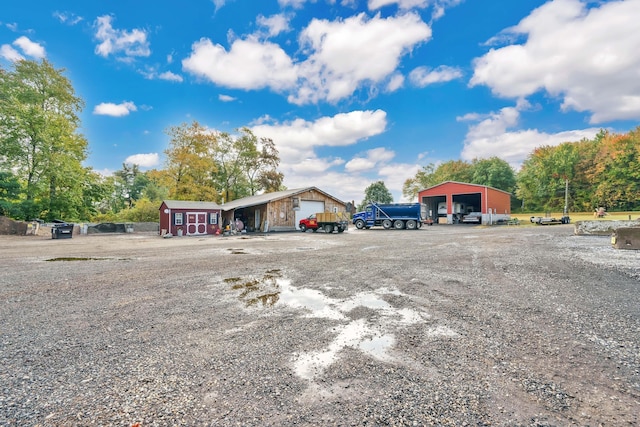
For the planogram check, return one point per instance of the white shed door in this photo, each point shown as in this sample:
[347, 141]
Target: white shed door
[308, 208]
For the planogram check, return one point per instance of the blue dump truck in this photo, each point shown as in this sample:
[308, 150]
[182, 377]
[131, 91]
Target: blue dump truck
[395, 215]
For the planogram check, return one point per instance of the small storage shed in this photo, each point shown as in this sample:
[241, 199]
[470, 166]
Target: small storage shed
[280, 210]
[187, 218]
[449, 201]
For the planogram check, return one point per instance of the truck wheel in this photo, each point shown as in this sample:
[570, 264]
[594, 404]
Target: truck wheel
[303, 228]
[340, 229]
[360, 224]
[411, 225]
[387, 224]
[328, 228]
[398, 224]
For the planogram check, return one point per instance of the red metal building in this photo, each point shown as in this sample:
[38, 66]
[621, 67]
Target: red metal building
[450, 201]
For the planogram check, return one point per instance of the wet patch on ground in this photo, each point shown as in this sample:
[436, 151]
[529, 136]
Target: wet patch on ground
[367, 321]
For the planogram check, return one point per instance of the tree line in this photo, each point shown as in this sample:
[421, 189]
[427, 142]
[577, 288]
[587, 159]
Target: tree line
[42, 175]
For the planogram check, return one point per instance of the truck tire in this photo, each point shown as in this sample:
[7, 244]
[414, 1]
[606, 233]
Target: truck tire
[340, 229]
[360, 224]
[398, 224]
[328, 228]
[387, 224]
[411, 225]
[303, 228]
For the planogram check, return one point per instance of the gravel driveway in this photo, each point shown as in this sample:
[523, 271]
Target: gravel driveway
[446, 325]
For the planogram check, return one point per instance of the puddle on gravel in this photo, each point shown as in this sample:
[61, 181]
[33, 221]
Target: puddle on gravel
[374, 336]
[70, 258]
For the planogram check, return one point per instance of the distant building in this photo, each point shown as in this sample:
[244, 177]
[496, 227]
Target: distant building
[449, 201]
[277, 211]
[187, 218]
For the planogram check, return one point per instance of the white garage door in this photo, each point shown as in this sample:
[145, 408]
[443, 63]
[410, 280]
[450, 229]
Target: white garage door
[308, 208]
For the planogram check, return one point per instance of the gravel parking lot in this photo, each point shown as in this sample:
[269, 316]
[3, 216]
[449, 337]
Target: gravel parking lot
[446, 325]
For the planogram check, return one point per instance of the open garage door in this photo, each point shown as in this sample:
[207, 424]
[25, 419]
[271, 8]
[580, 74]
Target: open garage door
[307, 208]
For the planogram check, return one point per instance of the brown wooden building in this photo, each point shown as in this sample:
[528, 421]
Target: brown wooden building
[280, 210]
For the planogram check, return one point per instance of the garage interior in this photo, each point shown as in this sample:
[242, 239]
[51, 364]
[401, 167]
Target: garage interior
[465, 203]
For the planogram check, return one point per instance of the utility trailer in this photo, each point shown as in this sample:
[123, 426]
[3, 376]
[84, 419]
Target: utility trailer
[327, 221]
[545, 220]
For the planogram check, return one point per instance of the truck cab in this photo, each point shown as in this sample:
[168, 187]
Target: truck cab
[309, 223]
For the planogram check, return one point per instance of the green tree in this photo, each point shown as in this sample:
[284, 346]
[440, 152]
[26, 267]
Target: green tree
[145, 210]
[376, 193]
[424, 178]
[131, 183]
[493, 172]
[454, 170]
[190, 169]
[617, 171]
[246, 165]
[40, 140]
[9, 193]
[231, 157]
[535, 186]
[259, 162]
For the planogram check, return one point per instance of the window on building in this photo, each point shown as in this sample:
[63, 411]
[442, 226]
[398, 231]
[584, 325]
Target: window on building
[213, 218]
[178, 218]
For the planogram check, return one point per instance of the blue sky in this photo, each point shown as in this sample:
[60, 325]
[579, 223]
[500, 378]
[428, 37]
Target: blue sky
[351, 91]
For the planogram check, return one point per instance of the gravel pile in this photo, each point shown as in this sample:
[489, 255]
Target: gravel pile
[446, 325]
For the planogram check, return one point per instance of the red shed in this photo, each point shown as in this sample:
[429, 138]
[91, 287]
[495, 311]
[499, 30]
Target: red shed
[180, 217]
[450, 201]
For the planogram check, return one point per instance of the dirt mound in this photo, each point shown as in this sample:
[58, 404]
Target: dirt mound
[9, 226]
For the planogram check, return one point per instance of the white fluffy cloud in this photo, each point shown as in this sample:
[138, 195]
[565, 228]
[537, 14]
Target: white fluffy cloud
[402, 4]
[9, 53]
[373, 158]
[341, 56]
[250, 64]
[275, 24]
[588, 58]
[395, 174]
[423, 76]
[114, 110]
[28, 48]
[492, 135]
[296, 4]
[68, 18]
[439, 6]
[123, 44]
[297, 139]
[172, 77]
[144, 160]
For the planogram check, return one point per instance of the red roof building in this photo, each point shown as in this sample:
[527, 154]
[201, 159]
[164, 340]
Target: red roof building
[450, 201]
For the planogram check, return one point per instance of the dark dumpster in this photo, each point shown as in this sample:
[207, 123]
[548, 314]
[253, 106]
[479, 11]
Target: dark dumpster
[61, 230]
